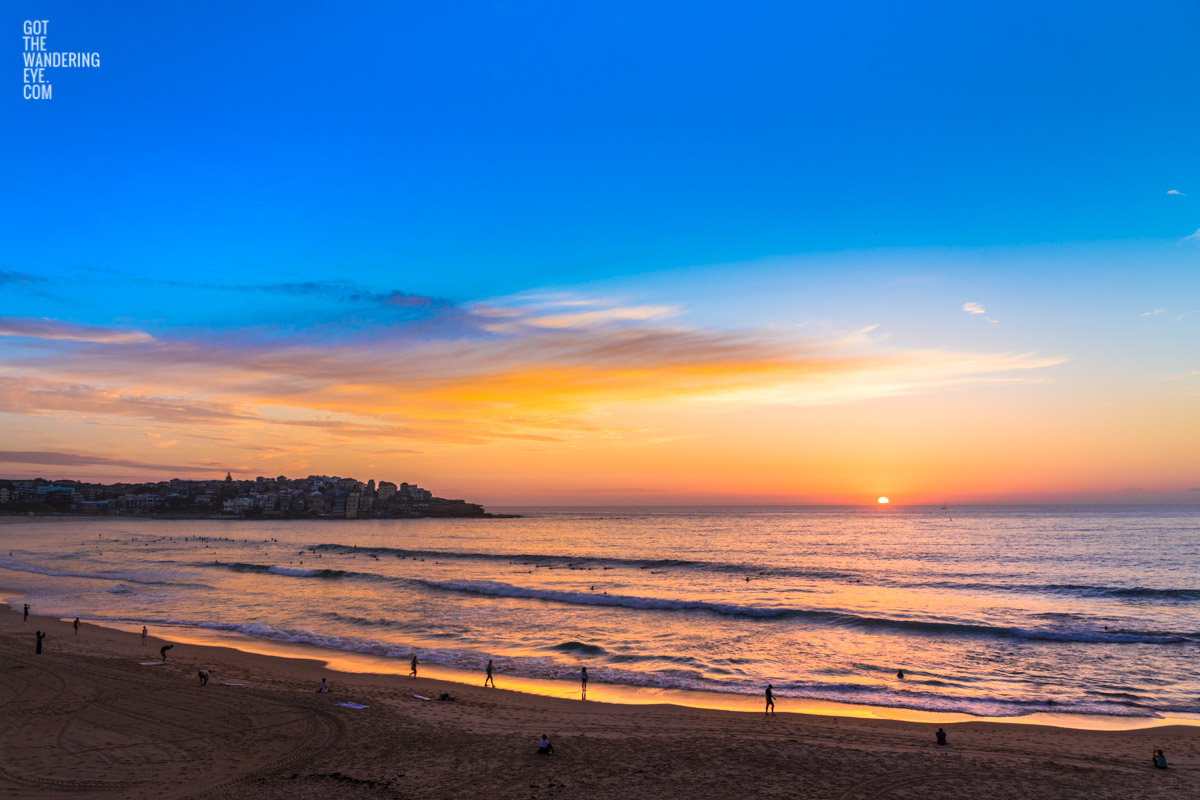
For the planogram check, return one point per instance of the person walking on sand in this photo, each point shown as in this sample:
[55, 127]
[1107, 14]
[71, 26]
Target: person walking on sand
[26, 619]
[489, 678]
[40, 636]
[162, 651]
[203, 677]
[413, 673]
[144, 633]
[76, 626]
[770, 707]
[583, 680]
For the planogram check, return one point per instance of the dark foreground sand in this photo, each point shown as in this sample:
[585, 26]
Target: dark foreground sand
[84, 719]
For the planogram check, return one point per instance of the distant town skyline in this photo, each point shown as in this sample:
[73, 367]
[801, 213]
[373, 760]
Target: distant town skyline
[680, 254]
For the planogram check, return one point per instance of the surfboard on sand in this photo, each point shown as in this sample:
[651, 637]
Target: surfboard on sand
[351, 705]
[420, 697]
[152, 663]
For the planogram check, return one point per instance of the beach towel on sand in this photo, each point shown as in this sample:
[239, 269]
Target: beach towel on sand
[351, 705]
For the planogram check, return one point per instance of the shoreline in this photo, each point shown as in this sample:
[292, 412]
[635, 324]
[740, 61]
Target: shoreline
[96, 715]
[351, 663]
[33, 516]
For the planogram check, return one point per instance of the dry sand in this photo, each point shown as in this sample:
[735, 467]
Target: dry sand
[85, 719]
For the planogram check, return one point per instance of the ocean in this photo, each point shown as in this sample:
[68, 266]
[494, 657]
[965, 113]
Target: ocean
[992, 611]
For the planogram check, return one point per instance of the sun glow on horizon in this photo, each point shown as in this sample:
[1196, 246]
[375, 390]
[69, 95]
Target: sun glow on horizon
[883, 501]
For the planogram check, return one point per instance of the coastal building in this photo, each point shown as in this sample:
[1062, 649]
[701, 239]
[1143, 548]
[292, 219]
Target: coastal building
[317, 495]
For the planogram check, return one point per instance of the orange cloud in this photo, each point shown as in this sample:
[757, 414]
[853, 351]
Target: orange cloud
[590, 382]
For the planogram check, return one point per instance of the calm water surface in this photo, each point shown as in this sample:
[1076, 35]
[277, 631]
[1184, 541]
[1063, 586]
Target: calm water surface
[989, 610]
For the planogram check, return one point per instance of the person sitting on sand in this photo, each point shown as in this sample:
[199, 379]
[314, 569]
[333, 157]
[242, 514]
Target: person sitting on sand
[203, 677]
[544, 746]
[323, 688]
[1160, 760]
[162, 651]
[941, 736]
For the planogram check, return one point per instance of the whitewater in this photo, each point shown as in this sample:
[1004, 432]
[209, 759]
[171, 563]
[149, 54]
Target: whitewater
[993, 611]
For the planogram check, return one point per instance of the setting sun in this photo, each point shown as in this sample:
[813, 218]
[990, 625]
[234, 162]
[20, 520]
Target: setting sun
[883, 500]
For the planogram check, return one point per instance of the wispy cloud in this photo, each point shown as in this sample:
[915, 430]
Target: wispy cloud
[13, 278]
[55, 459]
[1153, 313]
[587, 319]
[44, 328]
[40, 396]
[976, 308]
[1192, 237]
[1176, 192]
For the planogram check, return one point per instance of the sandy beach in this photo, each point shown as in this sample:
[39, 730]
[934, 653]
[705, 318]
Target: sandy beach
[87, 719]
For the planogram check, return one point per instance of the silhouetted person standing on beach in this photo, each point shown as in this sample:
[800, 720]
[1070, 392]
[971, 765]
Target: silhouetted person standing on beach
[941, 736]
[583, 680]
[144, 632]
[40, 636]
[162, 651]
[26, 619]
[76, 626]
[414, 666]
[770, 707]
[489, 678]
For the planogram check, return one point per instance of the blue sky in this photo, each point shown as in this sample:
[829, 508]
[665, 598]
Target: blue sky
[481, 148]
[748, 166]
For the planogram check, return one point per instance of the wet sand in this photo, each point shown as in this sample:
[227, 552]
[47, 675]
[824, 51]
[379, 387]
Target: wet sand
[86, 719]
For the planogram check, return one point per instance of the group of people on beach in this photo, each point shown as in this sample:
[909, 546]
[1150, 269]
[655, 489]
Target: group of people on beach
[489, 679]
